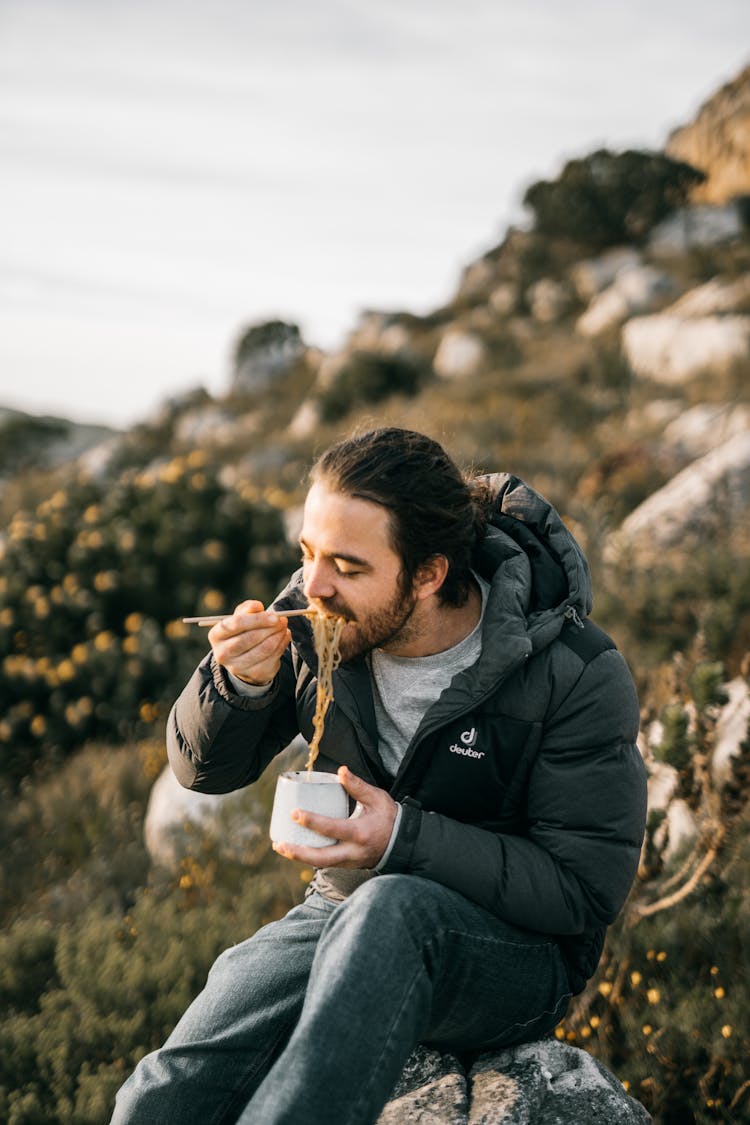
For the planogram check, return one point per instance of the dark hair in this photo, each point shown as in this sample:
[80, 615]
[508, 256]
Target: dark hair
[434, 509]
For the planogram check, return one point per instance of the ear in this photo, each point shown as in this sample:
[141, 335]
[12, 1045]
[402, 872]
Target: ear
[430, 576]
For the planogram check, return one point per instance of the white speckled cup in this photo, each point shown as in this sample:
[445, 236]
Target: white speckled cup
[317, 792]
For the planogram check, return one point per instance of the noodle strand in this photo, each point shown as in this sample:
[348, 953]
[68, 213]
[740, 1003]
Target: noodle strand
[326, 633]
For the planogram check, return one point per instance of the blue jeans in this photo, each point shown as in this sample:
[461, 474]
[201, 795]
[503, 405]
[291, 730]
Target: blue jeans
[312, 1019]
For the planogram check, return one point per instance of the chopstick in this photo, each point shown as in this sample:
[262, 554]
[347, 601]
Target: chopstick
[208, 620]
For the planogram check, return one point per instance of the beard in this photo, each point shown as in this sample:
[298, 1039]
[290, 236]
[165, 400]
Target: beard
[381, 628]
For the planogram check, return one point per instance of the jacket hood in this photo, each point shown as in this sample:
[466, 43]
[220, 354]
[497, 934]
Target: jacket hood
[529, 549]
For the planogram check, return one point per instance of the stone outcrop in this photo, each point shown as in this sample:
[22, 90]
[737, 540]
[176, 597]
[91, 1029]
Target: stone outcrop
[682, 513]
[718, 142]
[540, 1083]
[460, 354]
[635, 290]
[672, 349]
[266, 352]
[696, 228]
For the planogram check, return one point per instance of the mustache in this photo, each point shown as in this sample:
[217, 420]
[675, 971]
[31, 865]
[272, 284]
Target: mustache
[336, 609]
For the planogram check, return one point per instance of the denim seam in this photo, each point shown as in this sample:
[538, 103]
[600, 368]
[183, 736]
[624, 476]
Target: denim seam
[355, 1115]
[220, 1117]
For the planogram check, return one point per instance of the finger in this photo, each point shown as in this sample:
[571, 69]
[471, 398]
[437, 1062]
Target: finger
[356, 787]
[337, 828]
[334, 855]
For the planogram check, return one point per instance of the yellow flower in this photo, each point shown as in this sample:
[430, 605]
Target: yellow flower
[38, 725]
[213, 600]
[41, 608]
[714, 970]
[605, 988]
[213, 549]
[595, 1021]
[92, 513]
[726, 1030]
[7, 617]
[719, 993]
[130, 645]
[65, 670]
[635, 979]
[80, 653]
[653, 996]
[661, 956]
[175, 630]
[559, 1033]
[196, 459]
[647, 1029]
[105, 580]
[104, 641]
[134, 622]
[5, 731]
[198, 481]
[585, 1033]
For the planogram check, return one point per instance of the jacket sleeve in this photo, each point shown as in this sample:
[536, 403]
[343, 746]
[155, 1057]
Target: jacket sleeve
[218, 740]
[586, 815]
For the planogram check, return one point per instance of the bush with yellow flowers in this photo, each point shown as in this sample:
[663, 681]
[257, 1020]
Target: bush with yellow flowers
[668, 1008]
[94, 582]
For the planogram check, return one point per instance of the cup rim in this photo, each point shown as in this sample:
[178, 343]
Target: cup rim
[312, 777]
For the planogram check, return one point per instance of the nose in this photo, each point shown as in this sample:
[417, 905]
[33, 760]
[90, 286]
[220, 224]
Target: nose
[317, 580]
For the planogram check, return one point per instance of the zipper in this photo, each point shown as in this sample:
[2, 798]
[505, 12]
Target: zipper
[571, 613]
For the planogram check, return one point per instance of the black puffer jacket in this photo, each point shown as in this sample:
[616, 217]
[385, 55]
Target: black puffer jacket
[522, 788]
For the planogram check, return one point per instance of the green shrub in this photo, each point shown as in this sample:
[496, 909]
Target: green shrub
[369, 377]
[94, 583]
[606, 197]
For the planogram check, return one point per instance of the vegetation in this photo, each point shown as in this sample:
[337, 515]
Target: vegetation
[608, 198]
[100, 950]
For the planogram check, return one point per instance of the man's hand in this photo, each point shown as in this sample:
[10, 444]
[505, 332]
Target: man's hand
[249, 643]
[362, 838]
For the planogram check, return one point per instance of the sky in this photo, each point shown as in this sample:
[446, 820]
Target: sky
[172, 171]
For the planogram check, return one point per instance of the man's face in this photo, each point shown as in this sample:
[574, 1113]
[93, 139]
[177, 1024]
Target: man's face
[350, 568]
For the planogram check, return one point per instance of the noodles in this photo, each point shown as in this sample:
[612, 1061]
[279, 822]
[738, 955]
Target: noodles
[326, 632]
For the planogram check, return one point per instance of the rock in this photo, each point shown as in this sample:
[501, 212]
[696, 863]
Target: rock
[635, 290]
[671, 350]
[236, 821]
[460, 354]
[432, 1088]
[306, 420]
[540, 1083]
[594, 275]
[715, 297]
[695, 228]
[717, 142]
[684, 511]
[503, 300]
[476, 280]
[702, 428]
[731, 730]
[548, 300]
[264, 353]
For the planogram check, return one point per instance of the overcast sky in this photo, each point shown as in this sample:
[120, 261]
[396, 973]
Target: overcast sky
[173, 170]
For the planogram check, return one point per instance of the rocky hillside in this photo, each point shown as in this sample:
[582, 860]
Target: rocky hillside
[718, 142]
[603, 353]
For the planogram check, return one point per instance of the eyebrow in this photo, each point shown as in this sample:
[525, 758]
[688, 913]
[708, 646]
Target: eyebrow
[355, 560]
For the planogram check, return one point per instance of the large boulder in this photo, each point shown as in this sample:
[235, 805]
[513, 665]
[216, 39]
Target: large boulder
[635, 290]
[460, 355]
[594, 275]
[685, 510]
[540, 1083]
[264, 353]
[696, 228]
[236, 822]
[716, 141]
[671, 349]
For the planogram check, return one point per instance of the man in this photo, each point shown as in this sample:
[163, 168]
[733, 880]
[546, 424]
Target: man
[485, 728]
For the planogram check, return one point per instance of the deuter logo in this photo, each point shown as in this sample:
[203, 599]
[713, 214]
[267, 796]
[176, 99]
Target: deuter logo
[468, 738]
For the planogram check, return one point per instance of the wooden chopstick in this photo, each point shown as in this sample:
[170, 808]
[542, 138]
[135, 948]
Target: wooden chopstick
[208, 620]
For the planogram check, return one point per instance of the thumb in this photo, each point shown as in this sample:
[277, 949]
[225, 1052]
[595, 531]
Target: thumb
[354, 785]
